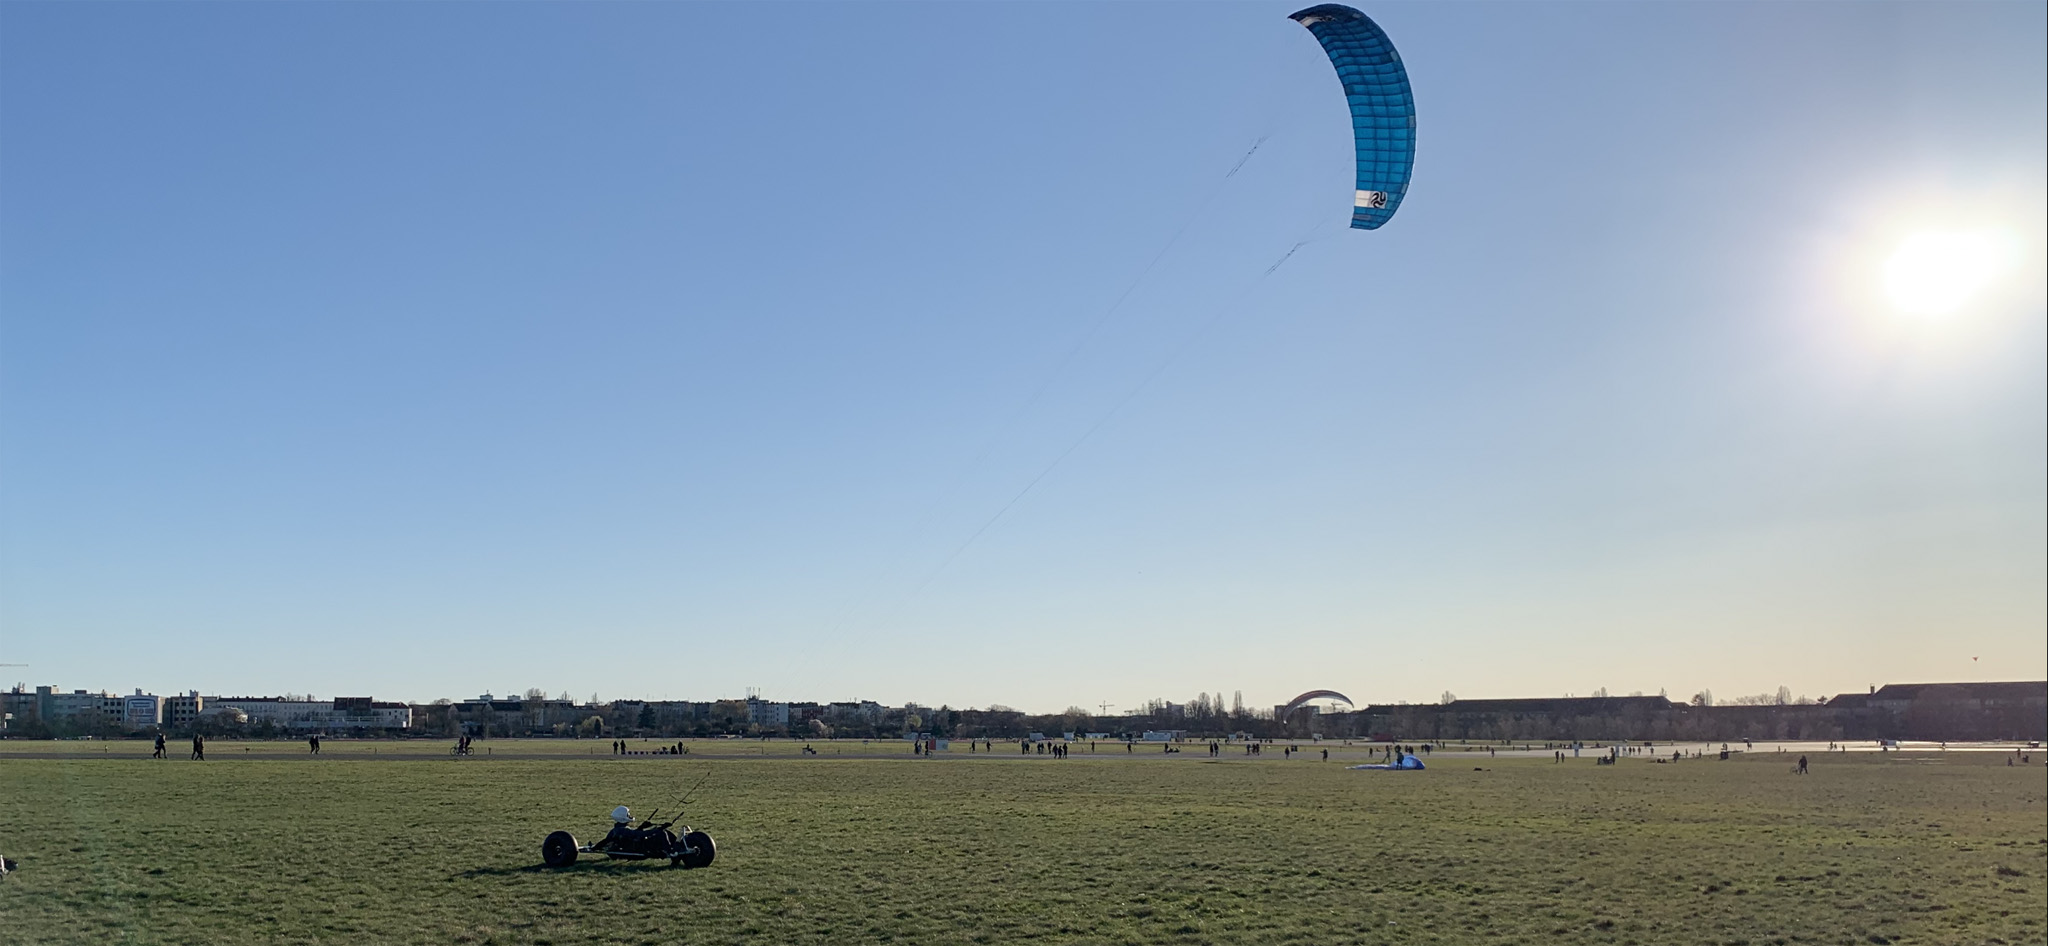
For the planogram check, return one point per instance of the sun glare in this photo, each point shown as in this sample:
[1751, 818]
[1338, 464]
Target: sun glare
[1935, 273]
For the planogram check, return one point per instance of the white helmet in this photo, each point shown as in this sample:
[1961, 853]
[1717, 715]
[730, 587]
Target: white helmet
[621, 815]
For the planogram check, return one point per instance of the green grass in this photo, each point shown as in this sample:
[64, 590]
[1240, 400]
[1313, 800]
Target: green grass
[409, 847]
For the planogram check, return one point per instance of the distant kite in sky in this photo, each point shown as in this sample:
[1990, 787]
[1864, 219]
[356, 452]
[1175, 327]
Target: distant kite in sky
[1382, 107]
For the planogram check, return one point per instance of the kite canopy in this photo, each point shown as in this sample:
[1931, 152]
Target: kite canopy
[1382, 107]
[1408, 763]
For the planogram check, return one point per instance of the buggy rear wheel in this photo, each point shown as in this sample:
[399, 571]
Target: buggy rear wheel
[702, 850]
[559, 850]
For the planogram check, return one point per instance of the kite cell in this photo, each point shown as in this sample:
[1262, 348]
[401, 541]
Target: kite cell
[1382, 107]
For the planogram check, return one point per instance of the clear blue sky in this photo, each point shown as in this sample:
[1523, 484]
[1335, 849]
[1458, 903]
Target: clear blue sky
[664, 350]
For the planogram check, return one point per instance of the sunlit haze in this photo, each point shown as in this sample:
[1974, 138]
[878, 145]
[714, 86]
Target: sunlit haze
[1936, 273]
[1018, 353]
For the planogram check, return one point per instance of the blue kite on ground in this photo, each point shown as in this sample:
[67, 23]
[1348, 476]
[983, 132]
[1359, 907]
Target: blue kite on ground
[1407, 763]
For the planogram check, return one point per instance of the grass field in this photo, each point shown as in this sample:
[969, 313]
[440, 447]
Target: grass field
[396, 843]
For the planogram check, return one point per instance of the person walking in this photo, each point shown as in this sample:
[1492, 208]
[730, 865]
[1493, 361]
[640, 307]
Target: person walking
[159, 753]
[198, 747]
[1802, 765]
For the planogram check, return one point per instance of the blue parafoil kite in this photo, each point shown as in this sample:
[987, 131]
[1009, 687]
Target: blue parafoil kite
[1382, 107]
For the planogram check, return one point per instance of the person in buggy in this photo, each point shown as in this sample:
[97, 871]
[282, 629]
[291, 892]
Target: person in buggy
[645, 841]
[624, 836]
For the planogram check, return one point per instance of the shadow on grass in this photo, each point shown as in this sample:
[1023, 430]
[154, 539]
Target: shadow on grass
[603, 866]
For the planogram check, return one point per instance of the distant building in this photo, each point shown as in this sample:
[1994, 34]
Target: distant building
[513, 716]
[1946, 711]
[765, 714]
[18, 708]
[76, 711]
[1901, 697]
[867, 710]
[142, 711]
[180, 712]
[801, 715]
[344, 714]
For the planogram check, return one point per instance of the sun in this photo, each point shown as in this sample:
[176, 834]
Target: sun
[1938, 272]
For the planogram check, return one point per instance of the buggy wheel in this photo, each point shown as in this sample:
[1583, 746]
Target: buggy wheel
[559, 850]
[702, 850]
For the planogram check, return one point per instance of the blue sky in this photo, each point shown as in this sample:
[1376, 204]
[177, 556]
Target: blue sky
[669, 349]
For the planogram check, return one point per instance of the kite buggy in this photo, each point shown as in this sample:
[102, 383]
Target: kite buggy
[627, 841]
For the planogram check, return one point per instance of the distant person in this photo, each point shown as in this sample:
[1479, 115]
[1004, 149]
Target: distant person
[313, 744]
[198, 747]
[1802, 765]
[159, 753]
[1326, 755]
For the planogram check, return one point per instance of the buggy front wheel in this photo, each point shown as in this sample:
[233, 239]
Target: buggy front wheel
[559, 850]
[701, 850]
